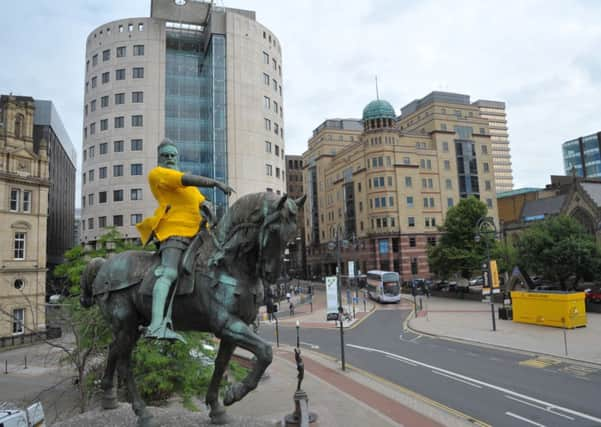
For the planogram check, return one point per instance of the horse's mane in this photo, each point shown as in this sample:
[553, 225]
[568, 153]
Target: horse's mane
[236, 231]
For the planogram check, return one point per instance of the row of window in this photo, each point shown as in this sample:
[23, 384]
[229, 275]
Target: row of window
[268, 104]
[278, 172]
[267, 36]
[118, 196]
[118, 147]
[136, 169]
[120, 74]
[137, 97]
[120, 52]
[20, 200]
[137, 120]
[277, 129]
[274, 63]
[277, 151]
[121, 29]
[117, 221]
[271, 82]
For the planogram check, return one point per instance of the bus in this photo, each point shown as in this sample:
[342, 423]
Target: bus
[383, 286]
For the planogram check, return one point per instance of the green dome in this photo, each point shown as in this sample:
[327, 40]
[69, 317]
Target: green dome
[378, 109]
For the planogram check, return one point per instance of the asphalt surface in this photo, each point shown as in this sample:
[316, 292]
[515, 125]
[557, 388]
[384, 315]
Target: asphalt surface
[494, 386]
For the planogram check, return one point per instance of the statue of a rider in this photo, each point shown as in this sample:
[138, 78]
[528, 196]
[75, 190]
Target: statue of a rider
[174, 223]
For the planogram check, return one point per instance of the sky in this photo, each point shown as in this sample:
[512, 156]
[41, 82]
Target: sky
[541, 57]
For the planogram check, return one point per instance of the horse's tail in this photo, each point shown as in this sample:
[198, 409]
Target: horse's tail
[86, 298]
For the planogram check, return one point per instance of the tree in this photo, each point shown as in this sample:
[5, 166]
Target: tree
[558, 248]
[457, 250]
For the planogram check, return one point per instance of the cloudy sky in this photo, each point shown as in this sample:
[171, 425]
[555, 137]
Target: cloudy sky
[540, 57]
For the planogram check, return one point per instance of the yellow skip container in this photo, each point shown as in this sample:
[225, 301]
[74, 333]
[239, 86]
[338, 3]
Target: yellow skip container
[558, 309]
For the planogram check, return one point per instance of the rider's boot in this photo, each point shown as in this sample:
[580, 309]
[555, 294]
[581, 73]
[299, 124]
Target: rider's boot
[160, 326]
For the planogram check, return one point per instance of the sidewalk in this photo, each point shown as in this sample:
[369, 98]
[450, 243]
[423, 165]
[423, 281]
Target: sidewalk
[472, 321]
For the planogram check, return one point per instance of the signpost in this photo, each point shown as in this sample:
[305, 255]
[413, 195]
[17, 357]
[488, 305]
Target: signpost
[331, 298]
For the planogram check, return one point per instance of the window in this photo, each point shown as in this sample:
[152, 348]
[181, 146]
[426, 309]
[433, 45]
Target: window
[448, 184]
[443, 126]
[95, 59]
[91, 175]
[412, 242]
[277, 172]
[409, 201]
[92, 105]
[277, 150]
[103, 148]
[489, 203]
[140, 27]
[487, 185]
[267, 124]
[138, 72]
[92, 128]
[104, 124]
[18, 321]
[408, 181]
[130, 27]
[18, 284]
[485, 167]
[106, 55]
[138, 50]
[15, 196]
[101, 221]
[136, 169]
[106, 77]
[119, 98]
[137, 97]
[276, 128]
[91, 152]
[445, 146]
[120, 74]
[136, 145]
[274, 83]
[411, 221]
[94, 82]
[275, 107]
[484, 149]
[120, 28]
[118, 146]
[119, 122]
[265, 58]
[135, 218]
[268, 170]
[447, 165]
[117, 170]
[104, 101]
[266, 79]
[267, 147]
[121, 51]
[91, 199]
[266, 102]
[118, 220]
[137, 121]
[450, 202]
[117, 195]
[19, 245]
[102, 197]
[26, 201]
[135, 194]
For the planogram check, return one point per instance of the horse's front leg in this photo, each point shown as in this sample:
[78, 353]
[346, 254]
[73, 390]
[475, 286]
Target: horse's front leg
[241, 335]
[217, 414]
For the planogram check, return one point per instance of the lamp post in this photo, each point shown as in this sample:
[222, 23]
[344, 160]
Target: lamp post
[486, 228]
[336, 246]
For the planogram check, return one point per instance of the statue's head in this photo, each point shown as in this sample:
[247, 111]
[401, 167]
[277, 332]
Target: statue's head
[167, 154]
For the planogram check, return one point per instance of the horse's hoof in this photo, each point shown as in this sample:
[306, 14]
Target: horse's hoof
[110, 402]
[233, 394]
[148, 421]
[219, 417]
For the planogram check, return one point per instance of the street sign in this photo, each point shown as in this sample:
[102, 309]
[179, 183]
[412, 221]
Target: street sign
[332, 298]
[494, 274]
[351, 269]
[331, 245]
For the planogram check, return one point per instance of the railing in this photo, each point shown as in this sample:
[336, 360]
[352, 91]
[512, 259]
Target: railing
[15, 340]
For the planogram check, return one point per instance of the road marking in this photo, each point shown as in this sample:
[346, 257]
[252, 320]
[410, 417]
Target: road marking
[457, 379]
[403, 361]
[540, 407]
[312, 346]
[469, 353]
[540, 362]
[454, 350]
[482, 383]
[526, 420]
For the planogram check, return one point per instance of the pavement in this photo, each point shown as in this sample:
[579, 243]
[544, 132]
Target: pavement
[471, 321]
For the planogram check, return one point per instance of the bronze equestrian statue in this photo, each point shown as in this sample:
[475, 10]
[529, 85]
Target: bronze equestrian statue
[219, 291]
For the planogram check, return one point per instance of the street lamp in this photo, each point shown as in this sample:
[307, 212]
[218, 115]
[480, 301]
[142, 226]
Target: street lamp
[485, 229]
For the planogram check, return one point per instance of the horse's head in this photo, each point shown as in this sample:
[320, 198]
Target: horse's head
[279, 227]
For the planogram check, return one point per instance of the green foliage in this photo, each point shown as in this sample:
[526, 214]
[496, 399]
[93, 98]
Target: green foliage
[164, 368]
[558, 248]
[457, 250]
[506, 255]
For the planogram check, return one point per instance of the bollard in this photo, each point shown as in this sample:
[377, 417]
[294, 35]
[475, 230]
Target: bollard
[364, 305]
[5, 366]
[277, 331]
[421, 307]
[25, 362]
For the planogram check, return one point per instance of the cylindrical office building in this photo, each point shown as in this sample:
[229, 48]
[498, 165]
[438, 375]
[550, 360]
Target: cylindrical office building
[208, 78]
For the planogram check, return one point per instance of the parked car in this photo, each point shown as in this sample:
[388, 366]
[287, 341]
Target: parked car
[16, 417]
[477, 281]
[593, 295]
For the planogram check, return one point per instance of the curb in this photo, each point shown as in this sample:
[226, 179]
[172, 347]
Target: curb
[465, 340]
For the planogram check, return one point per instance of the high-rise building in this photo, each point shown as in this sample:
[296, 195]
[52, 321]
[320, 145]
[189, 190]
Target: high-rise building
[23, 214]
[582, 156]
[62, 164]
[385, 182]
[295, 189]
[494, 112]
[207, 77]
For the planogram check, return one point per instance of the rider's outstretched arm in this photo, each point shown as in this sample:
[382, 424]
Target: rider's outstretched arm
[203, 181]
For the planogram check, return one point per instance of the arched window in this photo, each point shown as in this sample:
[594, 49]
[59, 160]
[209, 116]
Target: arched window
[19, 126]
[19, 283]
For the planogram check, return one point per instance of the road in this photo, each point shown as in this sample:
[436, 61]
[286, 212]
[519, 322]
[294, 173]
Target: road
[498, 387]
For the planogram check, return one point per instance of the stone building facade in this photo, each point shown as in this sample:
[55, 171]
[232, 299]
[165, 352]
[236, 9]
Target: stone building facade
[23, 217]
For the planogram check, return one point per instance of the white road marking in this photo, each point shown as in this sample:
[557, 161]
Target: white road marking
[482, 383]
[312, 346]
[403, 361]
[454, 350]
[457, 379]
[526, 420]
[542, 408]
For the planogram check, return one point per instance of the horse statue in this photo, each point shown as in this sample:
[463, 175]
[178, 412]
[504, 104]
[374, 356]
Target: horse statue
[221, 294]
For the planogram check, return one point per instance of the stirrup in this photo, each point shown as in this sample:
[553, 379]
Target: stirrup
[164, 332]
